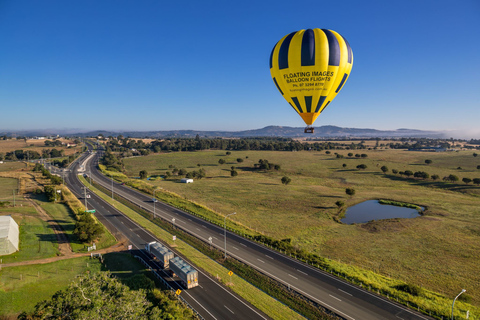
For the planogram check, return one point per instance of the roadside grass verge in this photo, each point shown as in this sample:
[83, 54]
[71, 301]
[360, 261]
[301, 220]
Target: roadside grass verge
[22, 287]
[105, 240]
[255, 296]
[36, 240]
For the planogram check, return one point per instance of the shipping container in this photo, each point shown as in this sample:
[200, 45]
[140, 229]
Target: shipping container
[187, 275]
[159, 253]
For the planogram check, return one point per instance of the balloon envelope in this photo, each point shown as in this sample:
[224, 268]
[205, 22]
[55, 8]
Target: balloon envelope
[309, 68]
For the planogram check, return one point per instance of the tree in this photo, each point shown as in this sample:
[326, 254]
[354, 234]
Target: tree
[478, 167]
[182, 172]
[86, 228]
[143, 174]
[344, 165]
[467, 180]
[221, 161]
[286, 180]
[239, 160]
[475, 154]
[99, 295]
[350, 191]
[435, 177]
[408, 173]
[384, 169]
[233, 173]
[339, 204]
[394, 171]
[362, 166]
[56, 180]
[428, 161]
[350, 154]
[50, 193]
[476, 181]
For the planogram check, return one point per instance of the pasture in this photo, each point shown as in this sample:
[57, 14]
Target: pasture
[438, 251]
[35, 145]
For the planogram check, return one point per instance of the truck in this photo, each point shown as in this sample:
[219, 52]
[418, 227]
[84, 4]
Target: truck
[187, 275]
[159, 253]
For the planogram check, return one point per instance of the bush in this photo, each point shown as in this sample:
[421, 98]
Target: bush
[221, 161]
[233, 173]
[410, 288]
[362, 166]
[350, 191]
[286, 180]
[239, 160]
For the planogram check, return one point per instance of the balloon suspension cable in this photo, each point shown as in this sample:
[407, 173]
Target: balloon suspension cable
[309, 129]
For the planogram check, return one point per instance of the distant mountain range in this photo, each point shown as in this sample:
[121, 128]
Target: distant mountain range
[270, 131]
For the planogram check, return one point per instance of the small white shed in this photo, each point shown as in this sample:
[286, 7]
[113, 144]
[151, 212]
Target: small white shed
[9, 235]
[185, 180]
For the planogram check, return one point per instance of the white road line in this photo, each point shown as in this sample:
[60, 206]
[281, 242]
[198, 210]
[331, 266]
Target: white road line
[189, 219]
[269, 257]
[197, 229]
[399, 317]
[334, 297]
[221, 234]
[261, 261]
[229, 309]
[204, 226]
[293, 276]
[181, 221]
[235, 248]
[122, 222]
[243, 244]
[345, 292]
[302, 272]
[215, 238]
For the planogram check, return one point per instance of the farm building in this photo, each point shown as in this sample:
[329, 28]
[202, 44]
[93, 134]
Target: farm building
[185, 180]
[8, 235]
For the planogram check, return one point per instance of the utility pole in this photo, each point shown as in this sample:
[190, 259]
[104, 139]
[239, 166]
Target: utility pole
[85, 197]
[112, 186]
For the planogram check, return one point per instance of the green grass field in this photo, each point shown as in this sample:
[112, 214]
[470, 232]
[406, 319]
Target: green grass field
[21, 288]
[37, 240]
[438, 251]
[7, 186]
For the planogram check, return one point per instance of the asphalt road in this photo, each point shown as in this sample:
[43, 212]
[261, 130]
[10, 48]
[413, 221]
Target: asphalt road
[346, 300]
[210, 299]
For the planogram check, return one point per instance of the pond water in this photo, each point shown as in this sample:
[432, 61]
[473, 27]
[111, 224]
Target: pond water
[372, 210]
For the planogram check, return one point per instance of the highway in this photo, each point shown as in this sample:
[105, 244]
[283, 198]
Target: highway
[346, 300]
[210, 299]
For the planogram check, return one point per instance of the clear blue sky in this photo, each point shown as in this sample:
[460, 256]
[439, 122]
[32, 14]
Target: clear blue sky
[160, 65]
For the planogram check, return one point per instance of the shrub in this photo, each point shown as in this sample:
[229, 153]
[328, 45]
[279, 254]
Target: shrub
[410, 288]
[350, 191]
[286, 180]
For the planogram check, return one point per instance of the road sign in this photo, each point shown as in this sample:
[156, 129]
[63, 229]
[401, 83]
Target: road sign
[178, 292]
[90, 211]
[88, 196]
[174, 238]
[230, 273]
[130, 247]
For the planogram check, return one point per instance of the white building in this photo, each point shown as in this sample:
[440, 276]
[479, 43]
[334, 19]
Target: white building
[9, 235]
[185, 180]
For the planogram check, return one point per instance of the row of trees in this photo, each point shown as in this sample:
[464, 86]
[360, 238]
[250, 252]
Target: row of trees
[425, 175]
[31, 155]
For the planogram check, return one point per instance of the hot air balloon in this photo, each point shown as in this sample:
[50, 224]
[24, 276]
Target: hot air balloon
[309, 67]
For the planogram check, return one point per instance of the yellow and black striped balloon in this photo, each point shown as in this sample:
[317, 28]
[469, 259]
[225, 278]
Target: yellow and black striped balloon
[309, 67]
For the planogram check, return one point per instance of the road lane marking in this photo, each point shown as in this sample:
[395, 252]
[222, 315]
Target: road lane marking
[346, 292]
[261, 261]
[235, 248]
[215, 238]
[204, 226]
[269, 257]
[302, 272]
[243, 244]
[197, 229]
[229, 309]
[335, 297]
[293, 276]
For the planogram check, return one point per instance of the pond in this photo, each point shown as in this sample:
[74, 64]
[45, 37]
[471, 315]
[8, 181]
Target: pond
[372, 210]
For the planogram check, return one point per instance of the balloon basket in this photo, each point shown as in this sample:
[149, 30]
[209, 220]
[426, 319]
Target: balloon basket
[309, 129]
